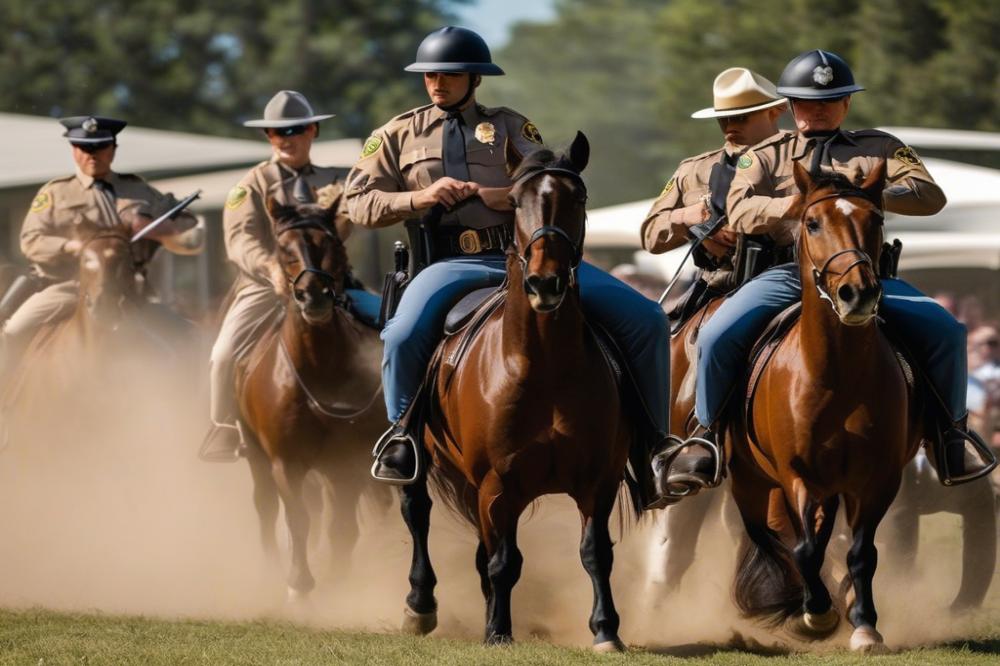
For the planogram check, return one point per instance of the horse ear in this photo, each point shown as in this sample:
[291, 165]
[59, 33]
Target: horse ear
[803, 179]
[579, 151]
[875, 182]
[513, 157]
[278, 211]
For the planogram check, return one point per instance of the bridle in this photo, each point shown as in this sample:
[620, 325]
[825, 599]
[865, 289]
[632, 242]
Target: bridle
[136, 264]
[328, 279]
[862, 258]
[550, 231]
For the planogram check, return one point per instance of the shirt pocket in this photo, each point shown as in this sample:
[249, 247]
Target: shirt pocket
[420, 167]
[488, 165]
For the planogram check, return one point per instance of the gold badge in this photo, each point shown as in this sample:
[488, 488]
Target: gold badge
[669, 186]
[469, 242]
[236, 197]
[745, 161]
[907, 155]
[371, 146]
[41, 202]
[486, 133]
[531, 133]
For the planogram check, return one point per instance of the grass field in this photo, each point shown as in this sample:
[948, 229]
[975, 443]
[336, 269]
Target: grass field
[41, 638]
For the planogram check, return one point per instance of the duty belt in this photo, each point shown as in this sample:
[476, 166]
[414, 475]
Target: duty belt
[462, 241]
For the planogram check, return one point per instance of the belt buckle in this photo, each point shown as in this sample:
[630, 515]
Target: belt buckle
[469, 243]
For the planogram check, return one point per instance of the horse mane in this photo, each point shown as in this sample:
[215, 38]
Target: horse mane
[543, 158]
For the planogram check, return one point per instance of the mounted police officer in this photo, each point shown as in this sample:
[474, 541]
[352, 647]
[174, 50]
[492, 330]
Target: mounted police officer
[444, 164]
[692, 207]
[289, 177]
[97, 195]
[819, 85]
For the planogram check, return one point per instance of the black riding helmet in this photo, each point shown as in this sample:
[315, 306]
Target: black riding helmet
[817, 75]
[451, 49]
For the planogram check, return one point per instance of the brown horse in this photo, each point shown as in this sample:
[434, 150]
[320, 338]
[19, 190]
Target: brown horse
[531, 409]
[310, 392]
[833, 418]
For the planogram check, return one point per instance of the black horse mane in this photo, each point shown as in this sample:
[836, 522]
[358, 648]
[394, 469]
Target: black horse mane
[543, 158]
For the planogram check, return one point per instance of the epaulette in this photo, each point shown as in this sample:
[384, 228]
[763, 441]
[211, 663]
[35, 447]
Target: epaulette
[60, 179]
[783, 136]
[698, 158]
[130, 176]
[868, 132]
[406, 115]
[494, 110]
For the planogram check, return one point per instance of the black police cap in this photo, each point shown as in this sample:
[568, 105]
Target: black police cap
[817, 74]
[452, 49]
[91, 129]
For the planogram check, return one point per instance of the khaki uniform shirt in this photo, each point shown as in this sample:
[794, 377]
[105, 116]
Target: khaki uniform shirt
[64, 203]
[764, 189]
[405, 155]
[664, 229]
[248, 230]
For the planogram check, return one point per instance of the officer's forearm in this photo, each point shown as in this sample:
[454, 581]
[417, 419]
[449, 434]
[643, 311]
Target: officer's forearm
[760, 214]
[376, 208]
[42, 249]
[913, 197]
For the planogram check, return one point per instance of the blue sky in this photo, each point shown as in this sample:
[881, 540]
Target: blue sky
[493, 18]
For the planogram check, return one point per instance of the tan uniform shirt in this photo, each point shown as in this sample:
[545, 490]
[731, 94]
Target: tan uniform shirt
[764, 189]
[405, 155]
[664, 228]
[64, 203]
[248, 231]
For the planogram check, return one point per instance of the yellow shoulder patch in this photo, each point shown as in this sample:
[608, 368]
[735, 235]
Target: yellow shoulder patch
[372, 144]
[531, 133]
[669, 186]
[907, 155]
[41, 201]
[745, 161]
[236, 197]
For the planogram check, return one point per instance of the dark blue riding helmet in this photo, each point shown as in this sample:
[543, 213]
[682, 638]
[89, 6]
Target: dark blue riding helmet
[817, 74]
[452, 49]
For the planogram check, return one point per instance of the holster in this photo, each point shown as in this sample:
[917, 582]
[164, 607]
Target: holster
[888, 261]
[394, 284]
[20, 290]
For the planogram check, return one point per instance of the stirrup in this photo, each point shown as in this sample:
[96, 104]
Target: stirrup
[674, 450]
[395, 433]
[240, 452]
[979, 447]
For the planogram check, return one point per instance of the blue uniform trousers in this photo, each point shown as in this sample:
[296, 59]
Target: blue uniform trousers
[638, 325]
[365, 305]
[724, 343]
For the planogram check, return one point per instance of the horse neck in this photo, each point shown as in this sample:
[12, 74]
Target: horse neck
[533, 338]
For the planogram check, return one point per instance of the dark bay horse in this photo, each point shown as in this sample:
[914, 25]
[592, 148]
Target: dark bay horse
[531, 409]
[833, 418]
[310, 392]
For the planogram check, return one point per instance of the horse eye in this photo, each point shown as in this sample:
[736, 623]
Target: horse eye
[812, 225]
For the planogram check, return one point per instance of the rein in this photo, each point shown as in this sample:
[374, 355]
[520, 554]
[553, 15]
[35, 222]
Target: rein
[862, 257]
[551, 231]
[328, 278]
[334, 411]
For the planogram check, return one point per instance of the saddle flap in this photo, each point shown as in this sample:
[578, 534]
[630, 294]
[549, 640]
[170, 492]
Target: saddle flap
[462, 312]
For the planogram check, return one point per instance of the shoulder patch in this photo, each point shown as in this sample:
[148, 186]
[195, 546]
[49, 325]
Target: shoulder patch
[41, 201]
[236, 197]
[531, 133]
[372, 144]
[669, 186]
[745, 161]
[907, 155]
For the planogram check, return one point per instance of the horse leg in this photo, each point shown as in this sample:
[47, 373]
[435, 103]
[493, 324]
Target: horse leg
[597, 557]
[344, 496]
[819, 617]
[862, 560]
[979, 543]
[498, 531]
[265, 499]
[684, 523]
[290, 477]
[420, 614]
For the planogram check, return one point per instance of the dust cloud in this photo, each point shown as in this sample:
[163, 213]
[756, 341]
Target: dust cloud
[105, 506]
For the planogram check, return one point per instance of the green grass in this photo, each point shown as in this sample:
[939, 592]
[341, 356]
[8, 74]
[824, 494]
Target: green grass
[40, 638]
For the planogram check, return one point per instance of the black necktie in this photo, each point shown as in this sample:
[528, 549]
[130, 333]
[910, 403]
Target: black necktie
[301, 190]
[821, 153]
[106, 201]
[453, 149]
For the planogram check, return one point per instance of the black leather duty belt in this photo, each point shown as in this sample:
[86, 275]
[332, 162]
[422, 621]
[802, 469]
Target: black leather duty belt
[463, 241]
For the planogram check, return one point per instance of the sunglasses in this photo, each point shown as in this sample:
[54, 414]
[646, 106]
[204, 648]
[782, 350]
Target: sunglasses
[735, 120]
[92, 148]
[294, 130]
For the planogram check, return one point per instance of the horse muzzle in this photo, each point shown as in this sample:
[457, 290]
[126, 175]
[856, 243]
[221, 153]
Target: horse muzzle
[857, 305]
[315, 310]
[545, 292]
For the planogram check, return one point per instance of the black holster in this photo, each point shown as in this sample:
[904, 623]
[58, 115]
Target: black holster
[888, 261]
[20, 290]
[394, 283]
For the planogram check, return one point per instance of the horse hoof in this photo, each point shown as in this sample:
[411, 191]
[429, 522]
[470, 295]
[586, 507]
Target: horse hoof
[609, 647]
[418, 624]
[499, 639]
[814, 626]
[868, 641]
[297, 596]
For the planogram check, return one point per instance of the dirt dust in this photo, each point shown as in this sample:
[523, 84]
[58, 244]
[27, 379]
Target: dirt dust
[105, 506]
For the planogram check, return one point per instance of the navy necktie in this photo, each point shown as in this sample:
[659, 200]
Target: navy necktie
[453, 148]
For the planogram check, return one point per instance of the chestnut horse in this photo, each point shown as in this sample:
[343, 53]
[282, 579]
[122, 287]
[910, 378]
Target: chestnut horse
[310, 391]
[833, 417]
[533, 408]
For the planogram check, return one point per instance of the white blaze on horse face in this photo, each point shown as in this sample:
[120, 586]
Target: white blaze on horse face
[844, 206]
[546, 186]
[91, 262]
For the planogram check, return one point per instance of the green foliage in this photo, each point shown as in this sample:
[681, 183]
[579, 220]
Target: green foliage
[206, 65]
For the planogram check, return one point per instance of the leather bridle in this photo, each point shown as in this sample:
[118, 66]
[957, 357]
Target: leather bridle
[328, 279]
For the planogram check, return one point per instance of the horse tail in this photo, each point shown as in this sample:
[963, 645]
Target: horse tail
[767, 585]
[458, 495]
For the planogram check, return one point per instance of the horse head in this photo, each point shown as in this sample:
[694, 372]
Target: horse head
[549, 199]
[107, 273]
[312, 257]
[840, 238]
